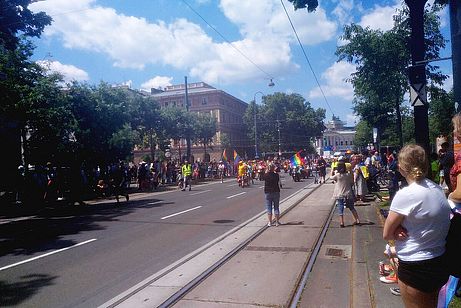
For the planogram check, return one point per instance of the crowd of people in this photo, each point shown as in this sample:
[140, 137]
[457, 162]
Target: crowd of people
[418, 223]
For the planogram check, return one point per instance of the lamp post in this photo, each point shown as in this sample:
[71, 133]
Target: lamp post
[256, 134]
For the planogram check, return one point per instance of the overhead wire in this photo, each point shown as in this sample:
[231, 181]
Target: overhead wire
[229, 42]
[306, 57]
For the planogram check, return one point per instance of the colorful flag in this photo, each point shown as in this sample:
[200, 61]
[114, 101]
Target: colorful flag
[236, 158]
[224, 155]
[296, 159]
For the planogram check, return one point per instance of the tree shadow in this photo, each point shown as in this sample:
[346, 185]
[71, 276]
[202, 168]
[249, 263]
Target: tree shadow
[14, 293]
[44, 231]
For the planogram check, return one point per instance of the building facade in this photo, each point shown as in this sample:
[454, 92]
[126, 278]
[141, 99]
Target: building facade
[203, 98]
[337, 137]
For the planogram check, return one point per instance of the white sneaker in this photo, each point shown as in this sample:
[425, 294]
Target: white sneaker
[278, 223]
[269, 224]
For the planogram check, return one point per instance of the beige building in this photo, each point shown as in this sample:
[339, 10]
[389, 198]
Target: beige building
[337, 137]
[203, 98]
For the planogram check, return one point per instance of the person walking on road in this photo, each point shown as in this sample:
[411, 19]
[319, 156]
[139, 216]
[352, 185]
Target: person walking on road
[186, 171]
[418, 222]
[343, 192]
[272, 187]
[322, 166]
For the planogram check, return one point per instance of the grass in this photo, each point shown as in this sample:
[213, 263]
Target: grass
[455, 303]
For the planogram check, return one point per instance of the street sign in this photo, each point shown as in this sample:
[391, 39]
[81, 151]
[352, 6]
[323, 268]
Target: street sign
[418, 95]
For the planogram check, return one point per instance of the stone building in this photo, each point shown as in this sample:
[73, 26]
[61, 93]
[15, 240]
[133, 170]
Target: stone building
[203, 98]
[337, 137]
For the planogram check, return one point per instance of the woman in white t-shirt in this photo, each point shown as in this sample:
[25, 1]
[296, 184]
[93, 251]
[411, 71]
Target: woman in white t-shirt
[418, 221]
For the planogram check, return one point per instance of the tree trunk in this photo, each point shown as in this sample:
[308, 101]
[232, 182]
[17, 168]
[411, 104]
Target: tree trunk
[399, 122]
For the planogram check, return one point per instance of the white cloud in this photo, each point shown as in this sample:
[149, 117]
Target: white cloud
[335, 82]
[134, 42]
[448, 84]
[69, 72]
[158, 82]
[381, 17]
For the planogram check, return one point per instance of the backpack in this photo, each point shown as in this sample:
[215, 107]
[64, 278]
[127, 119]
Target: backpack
[453, 247]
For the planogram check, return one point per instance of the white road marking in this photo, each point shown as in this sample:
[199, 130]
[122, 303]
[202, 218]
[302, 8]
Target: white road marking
[179, 213]
[200, 192]
[236, 195]
[160, 201]
[46, 254]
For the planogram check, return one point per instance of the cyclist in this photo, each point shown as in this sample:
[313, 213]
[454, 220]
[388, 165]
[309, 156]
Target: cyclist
[221, 170]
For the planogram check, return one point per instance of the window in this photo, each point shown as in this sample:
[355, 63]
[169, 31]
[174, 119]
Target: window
[204, 101]
[166, 104]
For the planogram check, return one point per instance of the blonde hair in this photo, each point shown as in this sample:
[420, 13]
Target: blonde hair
[413, 161]
[456, 121]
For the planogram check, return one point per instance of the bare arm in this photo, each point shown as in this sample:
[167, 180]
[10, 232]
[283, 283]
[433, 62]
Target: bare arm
[393, 229]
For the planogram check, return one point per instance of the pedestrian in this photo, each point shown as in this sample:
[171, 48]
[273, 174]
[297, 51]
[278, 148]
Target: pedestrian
[446, 159]
[343, 193]
[455, 171]
[272, 187]
[360, 181]
[186, 171]
[322, 167]
[418, 222]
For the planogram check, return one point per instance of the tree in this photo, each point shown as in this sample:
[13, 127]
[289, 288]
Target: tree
[363, 134]
[122, 142]
[178, 123]
[17, 20]
[382, 58]
[204, 130]
[310, 5]
[292, 114]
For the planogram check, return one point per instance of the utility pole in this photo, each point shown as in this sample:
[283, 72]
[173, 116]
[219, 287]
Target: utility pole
[278, 129]
[186, 98]
[417, 73]
[455, 27]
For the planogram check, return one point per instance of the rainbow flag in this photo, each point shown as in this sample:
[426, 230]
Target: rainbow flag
[236, 158]
[296, 160]
[224, 155]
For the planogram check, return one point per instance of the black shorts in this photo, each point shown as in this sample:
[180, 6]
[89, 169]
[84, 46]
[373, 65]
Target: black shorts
[426, 275]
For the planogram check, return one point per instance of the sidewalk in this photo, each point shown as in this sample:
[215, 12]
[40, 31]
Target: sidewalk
[267, 270]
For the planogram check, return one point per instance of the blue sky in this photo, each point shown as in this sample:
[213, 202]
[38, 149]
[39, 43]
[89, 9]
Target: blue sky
[155, 43]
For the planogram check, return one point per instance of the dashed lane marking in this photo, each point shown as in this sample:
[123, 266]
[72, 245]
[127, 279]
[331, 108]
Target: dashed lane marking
[200, 192]
[236, 195]
[182, 212]
[46, 254]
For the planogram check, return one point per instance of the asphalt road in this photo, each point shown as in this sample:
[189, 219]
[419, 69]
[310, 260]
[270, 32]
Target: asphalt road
[84, 256]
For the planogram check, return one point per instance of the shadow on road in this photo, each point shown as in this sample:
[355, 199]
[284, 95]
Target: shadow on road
[14, 293]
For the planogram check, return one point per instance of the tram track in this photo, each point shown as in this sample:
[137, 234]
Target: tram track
[176, 297]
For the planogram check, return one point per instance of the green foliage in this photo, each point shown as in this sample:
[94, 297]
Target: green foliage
[292, 114]
[16, 19]
[311, 5]
[381, 59]
[363, 134]
[122, 142]
[441, 110]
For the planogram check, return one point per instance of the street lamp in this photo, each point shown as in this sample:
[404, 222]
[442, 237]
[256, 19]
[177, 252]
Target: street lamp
[256, 134]
[271, 84]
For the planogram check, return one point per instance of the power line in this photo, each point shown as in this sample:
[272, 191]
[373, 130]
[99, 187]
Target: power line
[229, 42]
[305, 56]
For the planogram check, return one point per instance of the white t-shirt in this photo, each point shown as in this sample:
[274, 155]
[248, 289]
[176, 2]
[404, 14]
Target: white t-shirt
[427, 220]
